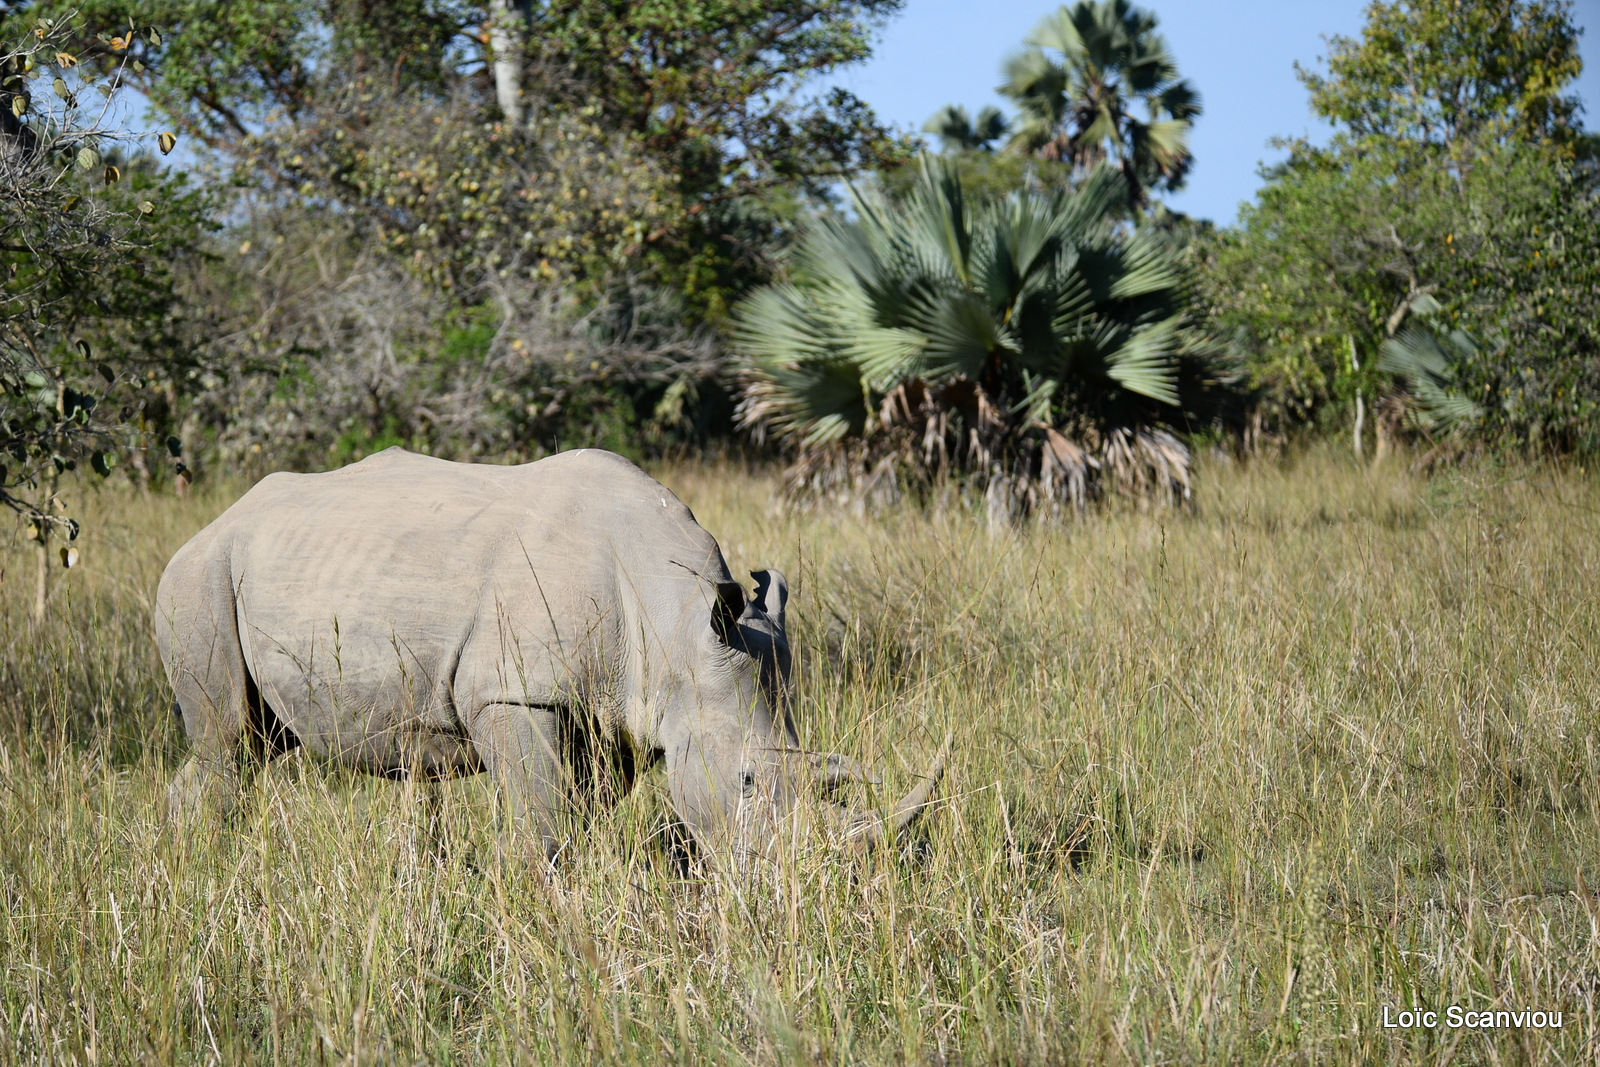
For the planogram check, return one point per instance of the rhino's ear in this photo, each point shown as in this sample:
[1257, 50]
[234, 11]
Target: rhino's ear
[772, 594]
[726, 611]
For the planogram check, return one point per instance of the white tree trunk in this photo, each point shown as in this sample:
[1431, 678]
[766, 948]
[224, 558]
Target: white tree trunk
[508, 28]
[1361, 407]
[1361, 420]
[41, 588]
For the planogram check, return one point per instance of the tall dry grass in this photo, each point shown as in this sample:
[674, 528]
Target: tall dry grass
[1224, 786]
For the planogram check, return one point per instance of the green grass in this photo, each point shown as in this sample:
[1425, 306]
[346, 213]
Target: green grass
[1223, 786]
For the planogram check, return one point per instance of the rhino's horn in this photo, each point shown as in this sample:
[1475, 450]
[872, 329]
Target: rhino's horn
[878, 831]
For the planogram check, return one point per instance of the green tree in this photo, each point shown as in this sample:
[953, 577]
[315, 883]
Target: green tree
[1453, 197]
[88, 233]
[698, 104]
[1429, 74]
[1034, 343]
[1077, 84]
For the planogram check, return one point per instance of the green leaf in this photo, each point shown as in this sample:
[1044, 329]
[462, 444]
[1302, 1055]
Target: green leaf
[88, 158]
[146, 207]
[19, 105]
[166, 140]
[61, 89]
[174, 447]
[83, 348]
[102, 463]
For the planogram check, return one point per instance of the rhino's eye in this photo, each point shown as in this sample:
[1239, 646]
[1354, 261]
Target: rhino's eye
[747, 782]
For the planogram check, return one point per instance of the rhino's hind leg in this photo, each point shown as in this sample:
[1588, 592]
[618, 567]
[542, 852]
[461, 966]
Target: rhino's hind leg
[230, 739]
[519, 748]
[203, 788]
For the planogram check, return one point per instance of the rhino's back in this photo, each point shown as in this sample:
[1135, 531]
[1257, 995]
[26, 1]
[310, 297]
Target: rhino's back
[392, 591]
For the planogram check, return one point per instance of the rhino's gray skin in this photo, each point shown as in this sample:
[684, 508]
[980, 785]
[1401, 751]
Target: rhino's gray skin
[416, 617]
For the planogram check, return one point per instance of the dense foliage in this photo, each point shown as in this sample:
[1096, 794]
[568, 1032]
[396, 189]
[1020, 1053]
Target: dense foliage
[1036, 343]
[328, 351]
[1455, 196]
[491, 229]
[686, 118]
[577, 192]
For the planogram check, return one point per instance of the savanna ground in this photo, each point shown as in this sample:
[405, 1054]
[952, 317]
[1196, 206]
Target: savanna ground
[1223, 786]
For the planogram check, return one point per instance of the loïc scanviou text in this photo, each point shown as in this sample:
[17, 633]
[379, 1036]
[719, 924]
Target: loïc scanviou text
[1456, 1017]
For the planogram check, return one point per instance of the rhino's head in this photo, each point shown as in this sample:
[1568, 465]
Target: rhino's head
[734, 766]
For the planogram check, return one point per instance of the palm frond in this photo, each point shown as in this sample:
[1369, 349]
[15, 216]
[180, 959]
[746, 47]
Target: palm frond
[1058, 31]
[1146, 267]
[956, 130]
[1162, 148]
[952, 126]
[989, 126]
[1143, 363]
[1417, 355]
[1179, 100]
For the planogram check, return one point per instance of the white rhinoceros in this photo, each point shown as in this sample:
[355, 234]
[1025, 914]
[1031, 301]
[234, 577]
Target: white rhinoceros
[416, 617]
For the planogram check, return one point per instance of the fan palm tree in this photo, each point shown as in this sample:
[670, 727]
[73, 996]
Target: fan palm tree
[1076, 85]
[956, 130]
[1031, 342]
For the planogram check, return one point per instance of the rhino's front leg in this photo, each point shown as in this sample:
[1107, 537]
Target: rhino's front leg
[518, 747]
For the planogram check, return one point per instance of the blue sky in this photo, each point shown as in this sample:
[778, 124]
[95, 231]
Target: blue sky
[1240, 56]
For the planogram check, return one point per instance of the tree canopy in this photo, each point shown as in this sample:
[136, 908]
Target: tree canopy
[1453, 75]
[695, 107]
[1453, 215]
[1077, 84]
